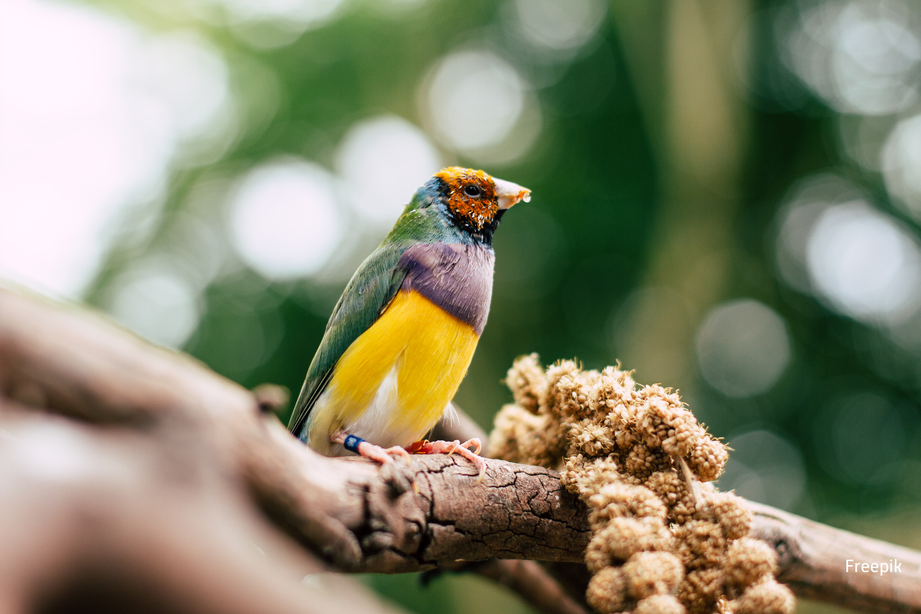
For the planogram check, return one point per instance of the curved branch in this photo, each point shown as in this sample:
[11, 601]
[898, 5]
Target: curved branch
[353, 514]
[359, 517]
[815, 560]
[820, 562]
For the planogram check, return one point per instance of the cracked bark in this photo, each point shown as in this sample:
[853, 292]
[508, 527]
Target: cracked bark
[158, 438]
[77, 392]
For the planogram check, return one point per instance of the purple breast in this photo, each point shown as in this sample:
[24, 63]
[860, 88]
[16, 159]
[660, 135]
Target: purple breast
[457, 278]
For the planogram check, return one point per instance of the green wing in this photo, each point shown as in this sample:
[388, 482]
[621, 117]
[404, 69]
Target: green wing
[370, 290]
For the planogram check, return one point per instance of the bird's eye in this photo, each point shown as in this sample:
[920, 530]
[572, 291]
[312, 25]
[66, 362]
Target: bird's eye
[472, 190]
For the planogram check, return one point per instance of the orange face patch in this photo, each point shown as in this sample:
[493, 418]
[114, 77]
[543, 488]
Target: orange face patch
[471, 195]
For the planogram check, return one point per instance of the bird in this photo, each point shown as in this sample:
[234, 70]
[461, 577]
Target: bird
[402, 335]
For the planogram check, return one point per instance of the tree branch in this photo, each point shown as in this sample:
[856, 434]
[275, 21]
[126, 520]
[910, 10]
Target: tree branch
[815, 560]
[535, 583]
[356, 517]
[818, 562]
[167, 439]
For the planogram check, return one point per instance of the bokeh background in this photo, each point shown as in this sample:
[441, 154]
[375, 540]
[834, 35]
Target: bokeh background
[726, 198]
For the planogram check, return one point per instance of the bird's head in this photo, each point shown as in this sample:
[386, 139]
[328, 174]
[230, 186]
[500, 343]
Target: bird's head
[473, 200]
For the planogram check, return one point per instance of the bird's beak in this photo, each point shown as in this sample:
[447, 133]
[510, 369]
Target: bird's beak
[510, 193]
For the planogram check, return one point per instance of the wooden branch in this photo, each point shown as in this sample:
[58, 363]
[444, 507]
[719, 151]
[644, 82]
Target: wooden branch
[100, 520]
[157, 415]
[820, 562]
[534, 582]
[816, 561]
[356, 517]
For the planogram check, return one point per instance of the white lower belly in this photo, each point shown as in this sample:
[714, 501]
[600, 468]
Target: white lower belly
[381, 423]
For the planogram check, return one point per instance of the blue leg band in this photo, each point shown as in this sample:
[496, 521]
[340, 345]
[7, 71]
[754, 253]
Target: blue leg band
[351, 443]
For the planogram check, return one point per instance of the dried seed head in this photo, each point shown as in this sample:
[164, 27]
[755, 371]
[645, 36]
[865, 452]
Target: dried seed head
[607, 590]
[766, 597]
[623, 500]
[667, 424]
[725, 606]
[649, 573]
[664, 539]
[704, 543]
[588, 475]
[622, 537]
[514, 432]
[747, 561]
[642, 461]
[708, 458]
[527, 381]
[730, 512]
[673, 490]
[560, 386]
[701, 589]
[590, 438]
[659, 604]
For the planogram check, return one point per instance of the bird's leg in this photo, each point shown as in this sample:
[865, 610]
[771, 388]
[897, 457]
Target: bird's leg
[450, 447]
[368, 450]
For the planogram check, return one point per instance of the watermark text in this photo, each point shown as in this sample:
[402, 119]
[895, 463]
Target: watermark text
[893, 566]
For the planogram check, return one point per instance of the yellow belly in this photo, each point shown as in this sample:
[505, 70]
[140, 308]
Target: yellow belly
[393, 383]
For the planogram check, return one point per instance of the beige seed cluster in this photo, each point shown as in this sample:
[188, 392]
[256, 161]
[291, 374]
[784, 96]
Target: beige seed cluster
[663, 538]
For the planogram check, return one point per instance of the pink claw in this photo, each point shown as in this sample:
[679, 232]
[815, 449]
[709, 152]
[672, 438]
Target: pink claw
[450, 447]
[374, 452]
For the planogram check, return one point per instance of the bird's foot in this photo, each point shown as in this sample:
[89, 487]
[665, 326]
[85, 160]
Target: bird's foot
[368, 450]
[450, 447]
